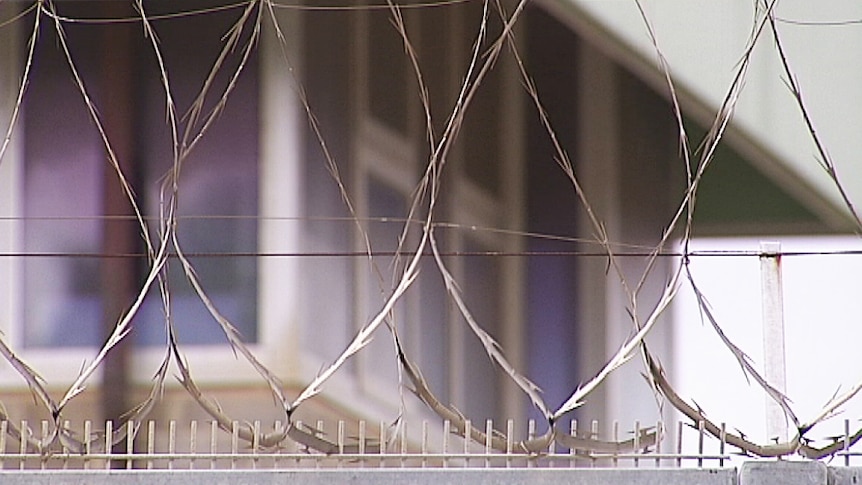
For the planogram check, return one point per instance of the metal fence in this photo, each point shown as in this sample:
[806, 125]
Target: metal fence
[204, 453]
[197, 445]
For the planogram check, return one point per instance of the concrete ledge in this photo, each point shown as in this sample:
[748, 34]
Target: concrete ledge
[751, 473]
[473, 476]
[783, 472]
[845, 475]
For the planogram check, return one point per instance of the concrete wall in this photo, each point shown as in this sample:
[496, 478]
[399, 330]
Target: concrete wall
[752, 473]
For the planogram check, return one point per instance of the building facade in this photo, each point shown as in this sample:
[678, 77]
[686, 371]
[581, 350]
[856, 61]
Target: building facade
[314, 159]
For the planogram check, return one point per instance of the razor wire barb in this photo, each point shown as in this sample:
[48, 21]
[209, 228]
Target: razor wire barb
[253, 18]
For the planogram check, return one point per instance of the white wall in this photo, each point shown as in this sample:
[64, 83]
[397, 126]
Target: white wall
[823, 331]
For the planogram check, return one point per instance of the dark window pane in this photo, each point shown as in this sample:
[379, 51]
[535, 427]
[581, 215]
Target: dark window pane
[218, 195]
[62, 200]
[482, 295]
[386, 207]
[388, 81]
[327, 283]
[433, 339]
[483, 118]
[65, 176]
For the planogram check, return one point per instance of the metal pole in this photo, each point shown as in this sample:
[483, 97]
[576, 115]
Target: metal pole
[773, 336]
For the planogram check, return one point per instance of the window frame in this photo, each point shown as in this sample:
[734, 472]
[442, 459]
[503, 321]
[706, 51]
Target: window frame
[382, 152]
[280, 160]
[375, 151]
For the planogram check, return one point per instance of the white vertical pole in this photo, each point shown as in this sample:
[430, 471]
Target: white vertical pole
[773, 336]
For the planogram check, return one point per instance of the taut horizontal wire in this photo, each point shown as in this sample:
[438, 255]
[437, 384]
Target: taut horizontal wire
[240, 5]
[353, 254]
[819, 23]
[371, 219]
[620, 249]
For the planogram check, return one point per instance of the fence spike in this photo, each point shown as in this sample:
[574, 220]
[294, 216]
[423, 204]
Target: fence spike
[193, 442]
[465, 433]
[4, 428]
[172, 437]
[383, 441]
[88, 439]
[510, 436]
[44, 441]
[131, 429]
[109, 428]
[234, 442]
[446, 430]
[489, 430]
[362, 440]
[255, 442]
[151, 442]
[213, 443]
[423, 446]
[25, 436]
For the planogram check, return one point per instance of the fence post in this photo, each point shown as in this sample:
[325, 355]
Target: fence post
[773, 336]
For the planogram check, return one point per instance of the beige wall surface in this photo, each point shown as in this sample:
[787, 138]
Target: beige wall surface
[703, 42]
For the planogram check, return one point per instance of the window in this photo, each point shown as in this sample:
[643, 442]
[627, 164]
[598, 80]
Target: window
[385, 171]
[62, 206]
[63, 170]
[67, 183]
[218, 201]
[259, 183]
[488, 193]
[480, 189]
[483, 164]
